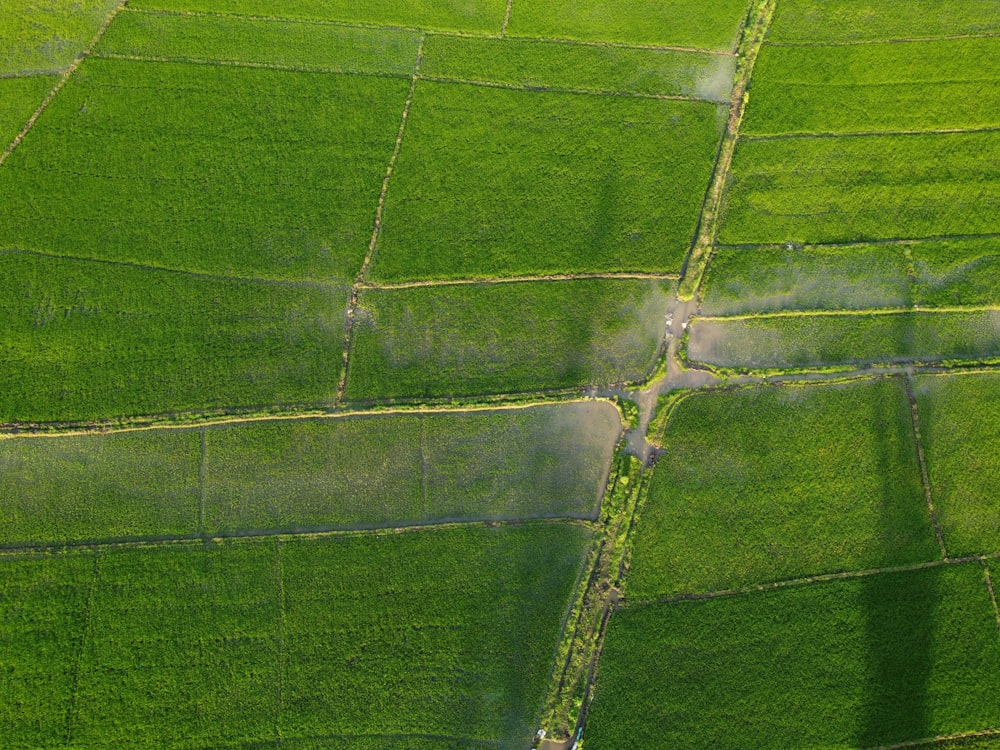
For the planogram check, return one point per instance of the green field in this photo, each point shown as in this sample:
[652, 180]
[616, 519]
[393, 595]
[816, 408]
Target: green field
[552, 64]
[958, 272]
[949, 83]
[843, 21]
[770, 279]
[492, 182]
[494, 338]
[960, 424]
[284, 43]
[444, 633]
[485, 16]
[19, 98]
[205, 168]
[45, 36]
[849, 189]
[858, 663]
[89, 341]
[771, 483]
[711, 24]
[794, 341]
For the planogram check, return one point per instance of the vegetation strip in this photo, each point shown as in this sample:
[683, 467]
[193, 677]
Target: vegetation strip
[868, 134]
[244, 64]
[377, 229]
[626, 275]
[861, 42]
[925, 480]
[991, 590]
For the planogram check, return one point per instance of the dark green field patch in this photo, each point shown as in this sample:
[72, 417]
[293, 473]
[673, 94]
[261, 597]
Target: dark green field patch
[539, 64]
[772, 483]
[293, 44]
[484, 16]
[493, 182]
[504, 338]
[45, 36]
[771, 279]
[951, 83]
[711, 24]
[205, 168]
[84, 341]
[793, 341]
[99, 487]
[410, 469]
[849, 189]
[802, 21]
[858, 663]
[19, 98]
[960, 425]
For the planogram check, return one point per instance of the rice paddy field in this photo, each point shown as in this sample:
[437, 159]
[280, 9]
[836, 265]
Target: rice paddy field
[499, 374]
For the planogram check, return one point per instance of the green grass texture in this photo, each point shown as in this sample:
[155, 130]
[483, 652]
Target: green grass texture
[45, 36]
[19, 98]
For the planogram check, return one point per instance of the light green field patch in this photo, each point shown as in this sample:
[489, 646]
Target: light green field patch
[540, 64]
[85, 341]
[19, 98]
[206, 168]
[771, 483]
[774, 278]
[485, 16]
[812, 190]
[493, 182]
[802, 21]
[709, 24]
[505, 338]
[958, 272]
[293, 44]
[850, 339]
[99, 486]
[410, 469]
[45, 36]
[950, 83]
[960, 426]
[860, 663]
[41, 627]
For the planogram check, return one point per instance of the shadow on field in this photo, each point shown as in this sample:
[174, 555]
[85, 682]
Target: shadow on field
[898, 610]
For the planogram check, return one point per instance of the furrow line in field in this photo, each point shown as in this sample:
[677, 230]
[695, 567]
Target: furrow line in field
[75, 680]
[609, 276]
[280, 576]
[32, 74]
[856, 243]
[822, 578]
[299, 283]
[872, 133]
[506, 19]
[983, 734]
[900, 40]
[377, 228]
[202, 471]
[843, 312]
[922, 462]
[565, 90]
[60, 83]
[992, 592]
[259, 535]
[701, 250]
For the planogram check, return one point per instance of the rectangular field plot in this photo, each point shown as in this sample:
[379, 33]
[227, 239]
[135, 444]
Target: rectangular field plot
[950, 83]
[283, 43]
[205, 168]
[767, 279]
[959, 272]
[567, 65]
[99, 486]
[844, 21]
[505, 338]
[448, 633]
[410, 469]
[859, 663]
[19, 98]
[791, 341]
[493, 182]
[89, 341]
[485, 16]
[960, 426]
[849, 189]
[43, 605]
[771, 483]
[45, 36]
[710, 24]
